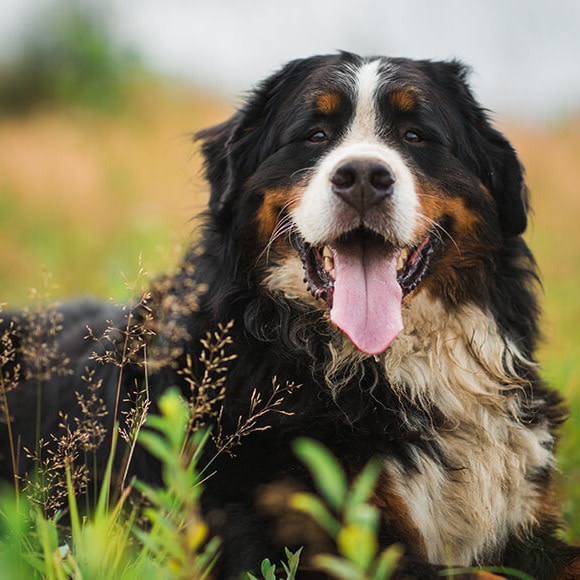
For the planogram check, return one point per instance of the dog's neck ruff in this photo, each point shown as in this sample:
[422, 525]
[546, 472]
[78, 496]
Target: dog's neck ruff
[459, 363]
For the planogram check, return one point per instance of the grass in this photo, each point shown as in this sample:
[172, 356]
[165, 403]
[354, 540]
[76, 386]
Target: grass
[550, 156]
[85, 195]
[111, 543]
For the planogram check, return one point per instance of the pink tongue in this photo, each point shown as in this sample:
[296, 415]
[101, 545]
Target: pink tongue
[366, 303]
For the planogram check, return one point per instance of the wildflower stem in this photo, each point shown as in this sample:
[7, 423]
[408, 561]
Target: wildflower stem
[120, 378]
[144, 405]
[95, 476]
[38, 415]
[10, 438]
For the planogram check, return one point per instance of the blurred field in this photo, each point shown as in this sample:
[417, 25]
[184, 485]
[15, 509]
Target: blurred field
[551, 156]
[84, 194]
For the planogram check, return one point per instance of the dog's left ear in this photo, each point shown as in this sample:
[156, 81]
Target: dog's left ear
[488, 152]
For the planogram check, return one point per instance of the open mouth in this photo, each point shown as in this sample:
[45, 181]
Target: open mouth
[363, 279]
[320, 276]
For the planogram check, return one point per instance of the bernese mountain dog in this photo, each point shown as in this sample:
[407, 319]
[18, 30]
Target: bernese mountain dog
[364, 236]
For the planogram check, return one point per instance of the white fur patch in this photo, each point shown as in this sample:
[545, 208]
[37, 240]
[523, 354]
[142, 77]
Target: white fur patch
[363, 126]
[288, 278]
[454, 361]
[321, 217]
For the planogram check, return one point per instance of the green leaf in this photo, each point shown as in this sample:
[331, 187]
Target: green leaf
[364, 484]
[48, 543]
[310, 504]
[103, 502]
[174, 417]
[327, 473]
[338, 568]
[209, 558]
[358, 544]
[75, 520]
[148, 491]
[157, 445]
[293, 562]
[364, 515]
[164, 535]
[199, 441]
[268, 569]
[387, 562]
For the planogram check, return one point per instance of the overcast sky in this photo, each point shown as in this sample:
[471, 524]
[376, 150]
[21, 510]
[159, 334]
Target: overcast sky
[525, 53]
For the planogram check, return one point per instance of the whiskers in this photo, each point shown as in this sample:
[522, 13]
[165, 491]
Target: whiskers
[438, 230]
[284, 226]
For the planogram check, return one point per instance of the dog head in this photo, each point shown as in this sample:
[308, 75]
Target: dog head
[360, 182]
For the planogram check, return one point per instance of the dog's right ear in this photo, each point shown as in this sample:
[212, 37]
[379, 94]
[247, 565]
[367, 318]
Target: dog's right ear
[217, 149]
[233, 149]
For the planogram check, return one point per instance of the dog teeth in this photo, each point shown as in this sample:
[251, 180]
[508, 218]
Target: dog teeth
[402, 259]
[328, 261]
[328, 258]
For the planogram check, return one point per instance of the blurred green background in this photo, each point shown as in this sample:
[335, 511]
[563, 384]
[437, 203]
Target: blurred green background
[97, 169]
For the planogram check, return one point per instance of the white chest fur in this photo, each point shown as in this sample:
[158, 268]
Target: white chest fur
[460, 363]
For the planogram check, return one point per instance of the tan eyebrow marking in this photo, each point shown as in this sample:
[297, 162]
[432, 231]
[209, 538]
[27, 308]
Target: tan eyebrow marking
[405, 100]
[328, 103]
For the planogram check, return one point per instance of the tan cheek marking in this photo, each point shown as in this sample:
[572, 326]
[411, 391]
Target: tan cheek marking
[464, 252]
[268, 214]
[396, 512]
[404, 100]
[434, 204]
[486, 192]
[328, 103]
[548, 508]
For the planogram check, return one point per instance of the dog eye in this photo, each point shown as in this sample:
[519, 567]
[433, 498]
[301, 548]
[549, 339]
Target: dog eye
[412, 136]
[318, 137]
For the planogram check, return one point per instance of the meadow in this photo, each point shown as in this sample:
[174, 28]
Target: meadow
[87, 196]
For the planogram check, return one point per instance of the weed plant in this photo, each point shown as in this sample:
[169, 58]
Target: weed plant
[62, 521]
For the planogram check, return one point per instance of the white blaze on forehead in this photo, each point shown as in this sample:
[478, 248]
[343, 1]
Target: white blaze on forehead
[365, 116]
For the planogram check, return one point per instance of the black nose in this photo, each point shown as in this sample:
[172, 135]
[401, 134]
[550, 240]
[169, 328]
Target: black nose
[362, 183]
